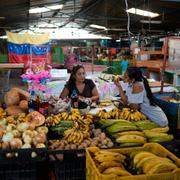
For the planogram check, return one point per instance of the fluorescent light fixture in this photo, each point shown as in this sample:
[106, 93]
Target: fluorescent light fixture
[142, 12]
[118, 40]
[2, 17]
[45, 9]
[3, 37]
[151, 22]
[97, 26]
[60, 6]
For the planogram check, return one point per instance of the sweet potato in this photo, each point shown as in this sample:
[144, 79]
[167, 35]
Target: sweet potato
[11, 98]
[13, 110]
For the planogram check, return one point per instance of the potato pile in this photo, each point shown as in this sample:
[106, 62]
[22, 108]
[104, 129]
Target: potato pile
[98, 138]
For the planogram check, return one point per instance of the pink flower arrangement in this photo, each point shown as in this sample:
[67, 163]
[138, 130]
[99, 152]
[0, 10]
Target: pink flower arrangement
[44, 75]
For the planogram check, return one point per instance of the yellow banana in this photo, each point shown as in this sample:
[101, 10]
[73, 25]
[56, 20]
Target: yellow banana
[93, 149]
[131, 138]
[161, 130]
[117, 171]
[162, 167]
[145, 160]
[127, 115]
[139, 133]
[107, 164]
[102, 157]
[141, 155]
[152, 134]
[148, 165]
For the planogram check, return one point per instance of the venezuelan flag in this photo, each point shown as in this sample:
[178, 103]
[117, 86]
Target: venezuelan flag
[23, 48]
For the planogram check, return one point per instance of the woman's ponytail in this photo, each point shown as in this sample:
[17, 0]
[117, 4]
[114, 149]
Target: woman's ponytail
[148, 91]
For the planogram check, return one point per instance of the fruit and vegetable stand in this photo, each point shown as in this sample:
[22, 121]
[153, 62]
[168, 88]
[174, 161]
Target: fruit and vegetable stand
[59, 141]
[38, 144]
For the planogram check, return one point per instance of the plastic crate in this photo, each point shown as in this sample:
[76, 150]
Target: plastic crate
[4, 80]
[173, 146]
[68, 164]
[172, 111]
[19, 164]
[92, 173]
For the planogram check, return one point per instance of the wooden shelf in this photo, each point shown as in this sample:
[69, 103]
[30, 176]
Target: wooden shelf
[12, 66]
[149, 63]
[142, 51]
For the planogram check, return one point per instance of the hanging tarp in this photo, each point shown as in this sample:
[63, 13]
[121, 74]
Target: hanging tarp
[24, 47]
[27, 38]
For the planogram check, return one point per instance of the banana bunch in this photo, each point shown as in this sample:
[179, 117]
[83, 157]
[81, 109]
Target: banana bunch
[53, 120]
[64, 115]
[102, 114]
[2, 113]
[131, 115]
[149, 163]
[73, 136]
[22, 117]
[109, 162]
[158, 135]
[79, 132]
[11, 120]
[103, 103]
[74, 115]
[115, 113]
[88, 119]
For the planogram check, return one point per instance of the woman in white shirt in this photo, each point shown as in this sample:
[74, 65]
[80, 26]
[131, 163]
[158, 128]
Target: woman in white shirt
[138, 96]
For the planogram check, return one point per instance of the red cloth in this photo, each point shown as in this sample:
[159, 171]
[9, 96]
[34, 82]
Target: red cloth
[113, 51]
[14, 58]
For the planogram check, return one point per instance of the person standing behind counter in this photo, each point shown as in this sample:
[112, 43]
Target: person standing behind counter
[82, 91]
[139, 96]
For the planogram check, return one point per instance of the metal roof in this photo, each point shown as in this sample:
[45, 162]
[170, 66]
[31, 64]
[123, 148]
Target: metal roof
[14, 16]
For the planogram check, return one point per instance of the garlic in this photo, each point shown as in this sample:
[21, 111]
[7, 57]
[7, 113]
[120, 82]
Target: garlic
[27, 139]
[40, 145]
[7, 137]
[15, 143]
[26, 146]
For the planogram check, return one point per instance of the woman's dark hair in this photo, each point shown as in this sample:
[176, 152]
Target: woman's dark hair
[74, 70]
[136, 74]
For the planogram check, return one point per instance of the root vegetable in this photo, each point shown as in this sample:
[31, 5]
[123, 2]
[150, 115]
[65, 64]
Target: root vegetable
[40, 138]
[80, 147]
[104, 142]
[22, 127]
[23, 105]
[27, 139]
[102, 136]
[10, 127]
[7, 137]
[11, 98]
[40, 145]
[14, 111]
[15, 143]
[28, 133]
[5, 145]
[33, 154]
[73, 146]
[67, 146]
[110, 144]
[26, 146]
[42, 129]
[16, 133]
[97, 132]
